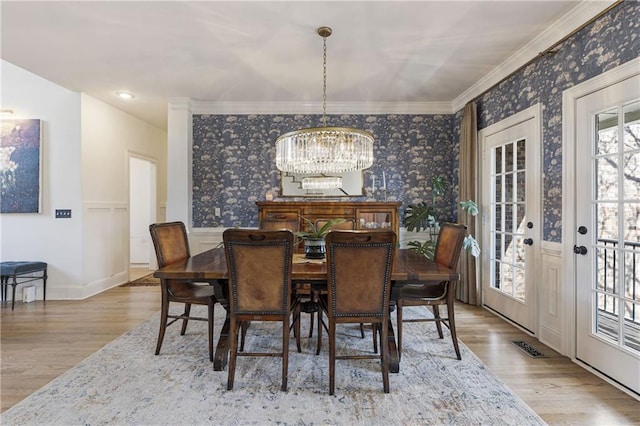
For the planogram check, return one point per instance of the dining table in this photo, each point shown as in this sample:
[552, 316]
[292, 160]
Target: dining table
[211, 267]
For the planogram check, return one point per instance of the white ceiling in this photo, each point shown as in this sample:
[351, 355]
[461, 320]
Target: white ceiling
[385, 52]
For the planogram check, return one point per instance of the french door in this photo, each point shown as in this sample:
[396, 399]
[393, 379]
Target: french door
[511, 218]
[607, 237]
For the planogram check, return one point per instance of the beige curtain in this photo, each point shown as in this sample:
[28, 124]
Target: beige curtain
[467, 290]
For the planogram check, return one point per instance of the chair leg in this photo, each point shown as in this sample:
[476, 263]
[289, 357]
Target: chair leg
[285, 352]
[399, 325]
[244, 325]
[311, 314]
[319, 339]
[296, 326]
[384, 333]
[187, 312]
[210, 312]
[452, 324]
[375, 330]
[163, 324]
[233, 351]
[332, 357]
[436, 315]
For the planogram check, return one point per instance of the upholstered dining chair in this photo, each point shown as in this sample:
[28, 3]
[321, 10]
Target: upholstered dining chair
[347, 225]
[359, 265]
[435, 294]
[259, 265]
[172, 245]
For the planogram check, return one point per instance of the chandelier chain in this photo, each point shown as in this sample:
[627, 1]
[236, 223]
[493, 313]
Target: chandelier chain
[324, 82]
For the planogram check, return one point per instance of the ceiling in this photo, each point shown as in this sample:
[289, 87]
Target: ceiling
[241, 52]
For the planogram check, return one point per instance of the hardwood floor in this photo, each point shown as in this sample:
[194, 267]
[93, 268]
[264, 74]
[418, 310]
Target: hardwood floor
[41, 340]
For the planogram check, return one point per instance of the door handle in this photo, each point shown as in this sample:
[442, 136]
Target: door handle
[528, 241]
[580, 250]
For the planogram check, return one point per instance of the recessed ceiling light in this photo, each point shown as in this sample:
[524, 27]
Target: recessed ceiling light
[6, 111]
[124, 95]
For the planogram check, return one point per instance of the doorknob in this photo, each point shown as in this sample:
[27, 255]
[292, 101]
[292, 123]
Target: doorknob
[580, 250]
[528, 241]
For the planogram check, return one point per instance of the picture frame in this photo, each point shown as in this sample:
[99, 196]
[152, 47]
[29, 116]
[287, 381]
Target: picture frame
[20, 166]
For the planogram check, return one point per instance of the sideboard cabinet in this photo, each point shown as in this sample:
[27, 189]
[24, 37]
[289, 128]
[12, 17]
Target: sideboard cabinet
[366, 215]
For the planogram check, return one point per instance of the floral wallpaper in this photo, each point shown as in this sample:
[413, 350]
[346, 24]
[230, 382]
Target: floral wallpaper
[606, 43]
[234, 160]
[233, 155]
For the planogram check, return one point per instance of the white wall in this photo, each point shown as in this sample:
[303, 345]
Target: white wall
[109, 136]
[86, 149]
[40, 236]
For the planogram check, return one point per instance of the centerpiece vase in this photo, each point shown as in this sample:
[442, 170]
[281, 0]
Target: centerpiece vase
[314, 248]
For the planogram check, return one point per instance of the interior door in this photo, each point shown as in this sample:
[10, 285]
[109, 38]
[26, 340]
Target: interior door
[607, 237]
[511, 219]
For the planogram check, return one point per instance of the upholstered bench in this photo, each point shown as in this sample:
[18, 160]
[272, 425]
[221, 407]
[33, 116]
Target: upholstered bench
[15, 272]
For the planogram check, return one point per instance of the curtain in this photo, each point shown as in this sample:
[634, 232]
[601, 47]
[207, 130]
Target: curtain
[467, 290]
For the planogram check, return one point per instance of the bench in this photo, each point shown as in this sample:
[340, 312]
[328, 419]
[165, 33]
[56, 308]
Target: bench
[13, 273]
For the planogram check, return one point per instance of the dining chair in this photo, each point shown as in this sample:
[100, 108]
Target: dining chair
[436, 293]
[172, 245]
[359, 266]
[259, 265]
[347, 225]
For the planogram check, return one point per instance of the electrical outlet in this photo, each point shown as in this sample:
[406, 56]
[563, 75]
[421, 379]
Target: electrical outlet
[63, 214]
[217, 211]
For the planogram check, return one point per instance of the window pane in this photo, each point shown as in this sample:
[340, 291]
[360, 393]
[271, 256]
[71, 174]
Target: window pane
[508, 187]
[607, 221]
[507, 278]
[508, 248]
[520, 162]
[607, 132]
[606, 318]
[631, 126]
[607, 268]
[508, 157]
[519, 252]
[497, 283]
[521, 186]
[498, 211]
[519, 283]
[607, 176]
[632, 310]
[521, 226]
[498, 246]
[631, 213]
[498, 160]
[498, 188]
[631, 176]
[632, 276]
[508, 218]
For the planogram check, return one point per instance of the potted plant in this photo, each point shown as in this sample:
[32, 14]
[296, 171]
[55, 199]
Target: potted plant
[423, 216]
[314, 244]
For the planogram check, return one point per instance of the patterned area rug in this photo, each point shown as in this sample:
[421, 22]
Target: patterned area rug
[147, 280]
[125, 383]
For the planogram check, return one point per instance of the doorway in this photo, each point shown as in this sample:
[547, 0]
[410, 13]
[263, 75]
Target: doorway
[511, 239]
[607, 231]
[142, 213]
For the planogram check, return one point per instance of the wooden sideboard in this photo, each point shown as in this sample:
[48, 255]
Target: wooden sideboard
[367, 215]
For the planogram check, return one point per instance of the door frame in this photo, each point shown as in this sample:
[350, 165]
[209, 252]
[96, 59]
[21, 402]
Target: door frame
[534, 113]
[153, 204]
[569, 122]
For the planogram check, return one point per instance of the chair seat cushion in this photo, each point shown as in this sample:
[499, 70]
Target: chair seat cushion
[430, 290]
[187, 290]
[21, 267]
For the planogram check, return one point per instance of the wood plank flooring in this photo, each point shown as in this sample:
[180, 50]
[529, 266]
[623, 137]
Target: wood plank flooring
[40, 341]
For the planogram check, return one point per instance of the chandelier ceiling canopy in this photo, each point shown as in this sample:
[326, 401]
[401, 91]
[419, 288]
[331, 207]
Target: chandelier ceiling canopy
[324, 149]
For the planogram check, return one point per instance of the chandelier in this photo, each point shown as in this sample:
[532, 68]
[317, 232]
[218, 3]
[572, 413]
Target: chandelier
[324, 149]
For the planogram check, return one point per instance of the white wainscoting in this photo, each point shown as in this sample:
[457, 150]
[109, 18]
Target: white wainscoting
[550, 296]
[106, 247]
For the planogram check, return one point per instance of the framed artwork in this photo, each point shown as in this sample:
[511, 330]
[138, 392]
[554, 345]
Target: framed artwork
[20, 166]
[352, 186]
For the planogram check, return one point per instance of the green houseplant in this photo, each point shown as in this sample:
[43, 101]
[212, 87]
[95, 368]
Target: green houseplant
[313, 237]
[424, 216]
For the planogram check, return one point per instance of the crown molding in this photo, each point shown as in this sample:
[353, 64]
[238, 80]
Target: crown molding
[223, 108]
[561, 28]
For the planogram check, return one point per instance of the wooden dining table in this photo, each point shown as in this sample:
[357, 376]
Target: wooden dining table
[211, 267]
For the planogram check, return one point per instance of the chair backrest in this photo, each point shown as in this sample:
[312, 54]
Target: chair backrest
[348, 224]
[359, 273]
[449, 244]
[277, 224]
[259, 264]
[170, 241]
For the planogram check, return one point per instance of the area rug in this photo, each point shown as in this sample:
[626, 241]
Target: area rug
[126, 384]
[147, 280]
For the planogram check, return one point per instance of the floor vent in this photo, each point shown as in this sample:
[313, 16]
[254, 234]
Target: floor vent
[528, 349]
